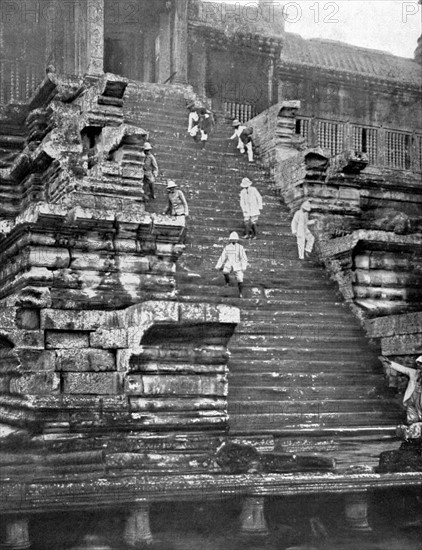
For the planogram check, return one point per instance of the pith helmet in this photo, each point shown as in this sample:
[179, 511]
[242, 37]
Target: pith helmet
[171, 184]
[419, 362]
[147, 146]
[234, 236]
[236, 122]
[246, 182]
[306, 206]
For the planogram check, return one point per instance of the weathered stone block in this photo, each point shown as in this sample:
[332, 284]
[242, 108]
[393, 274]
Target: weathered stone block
[60, 340]
[74, 320]
[192, 312]
[8, 317]
[78, 360]
[229, 314]
[409, 323]
[177, 404]
[211, 313]
[147, 312]
[5, 384]
[26, 339]
[109, 339]
[133, 264]
[27, 360]
[161, 266]
[404, 344]
[104, 383]
[28, 319]
[37, 383]
[53, 258]
[362, 262]
[164, 249]
[175, 385]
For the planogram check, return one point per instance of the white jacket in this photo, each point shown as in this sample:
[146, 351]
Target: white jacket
[250, 201]
[300, 223]
[234, 256]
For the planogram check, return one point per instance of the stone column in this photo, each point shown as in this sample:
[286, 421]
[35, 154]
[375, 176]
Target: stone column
[356, 512]
[271, 69]
[17, 534]
[137, 529]
[75, 36]
[95, 30]
[180, 42]
[252, 517]
[165, 68]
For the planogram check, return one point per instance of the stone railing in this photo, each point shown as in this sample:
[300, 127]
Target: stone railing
[242, 111]
[367, 220]
[385, 147]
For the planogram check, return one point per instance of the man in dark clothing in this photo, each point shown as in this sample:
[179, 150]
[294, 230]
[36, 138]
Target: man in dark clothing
[206, 124]
[150, 172]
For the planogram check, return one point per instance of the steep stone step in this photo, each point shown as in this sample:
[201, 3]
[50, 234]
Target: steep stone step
[298, 345]
[294, 402]
[279, 422]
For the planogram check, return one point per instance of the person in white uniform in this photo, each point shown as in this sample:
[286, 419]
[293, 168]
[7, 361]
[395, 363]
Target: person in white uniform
[300, 229]
[233, 258]
[251, 205]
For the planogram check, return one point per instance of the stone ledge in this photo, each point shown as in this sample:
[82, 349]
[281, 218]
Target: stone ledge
[408, 323]
[336, 247]
[74, 492]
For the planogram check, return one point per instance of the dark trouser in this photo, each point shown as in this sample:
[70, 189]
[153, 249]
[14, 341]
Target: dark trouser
[149, 186]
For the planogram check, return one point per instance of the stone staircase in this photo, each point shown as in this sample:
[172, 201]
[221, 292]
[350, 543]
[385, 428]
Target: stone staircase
[301, 367]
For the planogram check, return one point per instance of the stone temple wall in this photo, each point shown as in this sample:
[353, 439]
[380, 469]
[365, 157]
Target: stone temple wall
[367, 224]
[93, 342]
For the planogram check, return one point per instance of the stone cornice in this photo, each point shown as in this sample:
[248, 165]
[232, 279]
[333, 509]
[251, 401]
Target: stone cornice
[348, 77]
[266, 44]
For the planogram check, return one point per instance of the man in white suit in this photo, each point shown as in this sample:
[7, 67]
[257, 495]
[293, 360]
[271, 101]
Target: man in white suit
[251, 205]
[300, 222]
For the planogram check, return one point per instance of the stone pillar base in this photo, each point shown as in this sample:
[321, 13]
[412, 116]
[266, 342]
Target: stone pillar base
[137, 530]
[356, 512]
[17, 534]
[252, 517]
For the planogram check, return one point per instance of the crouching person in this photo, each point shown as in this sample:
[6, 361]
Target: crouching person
[244, 138]
[233, 258]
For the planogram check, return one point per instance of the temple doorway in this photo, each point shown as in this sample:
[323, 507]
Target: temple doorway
[137, 37]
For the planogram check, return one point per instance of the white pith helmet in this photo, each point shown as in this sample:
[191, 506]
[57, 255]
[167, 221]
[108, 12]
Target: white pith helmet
[233, 236]
[246, 182]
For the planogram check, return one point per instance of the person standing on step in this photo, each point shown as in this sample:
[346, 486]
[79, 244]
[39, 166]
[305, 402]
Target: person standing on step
[206, 124]
[150, 171]
[233, 258]
[193, 123]
[251, 205]
[300, 229]
[412, 399]
[177, 205]
[244, 138]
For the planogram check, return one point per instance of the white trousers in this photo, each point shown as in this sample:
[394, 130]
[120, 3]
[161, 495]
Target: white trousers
[241, 146]
[305, 243]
